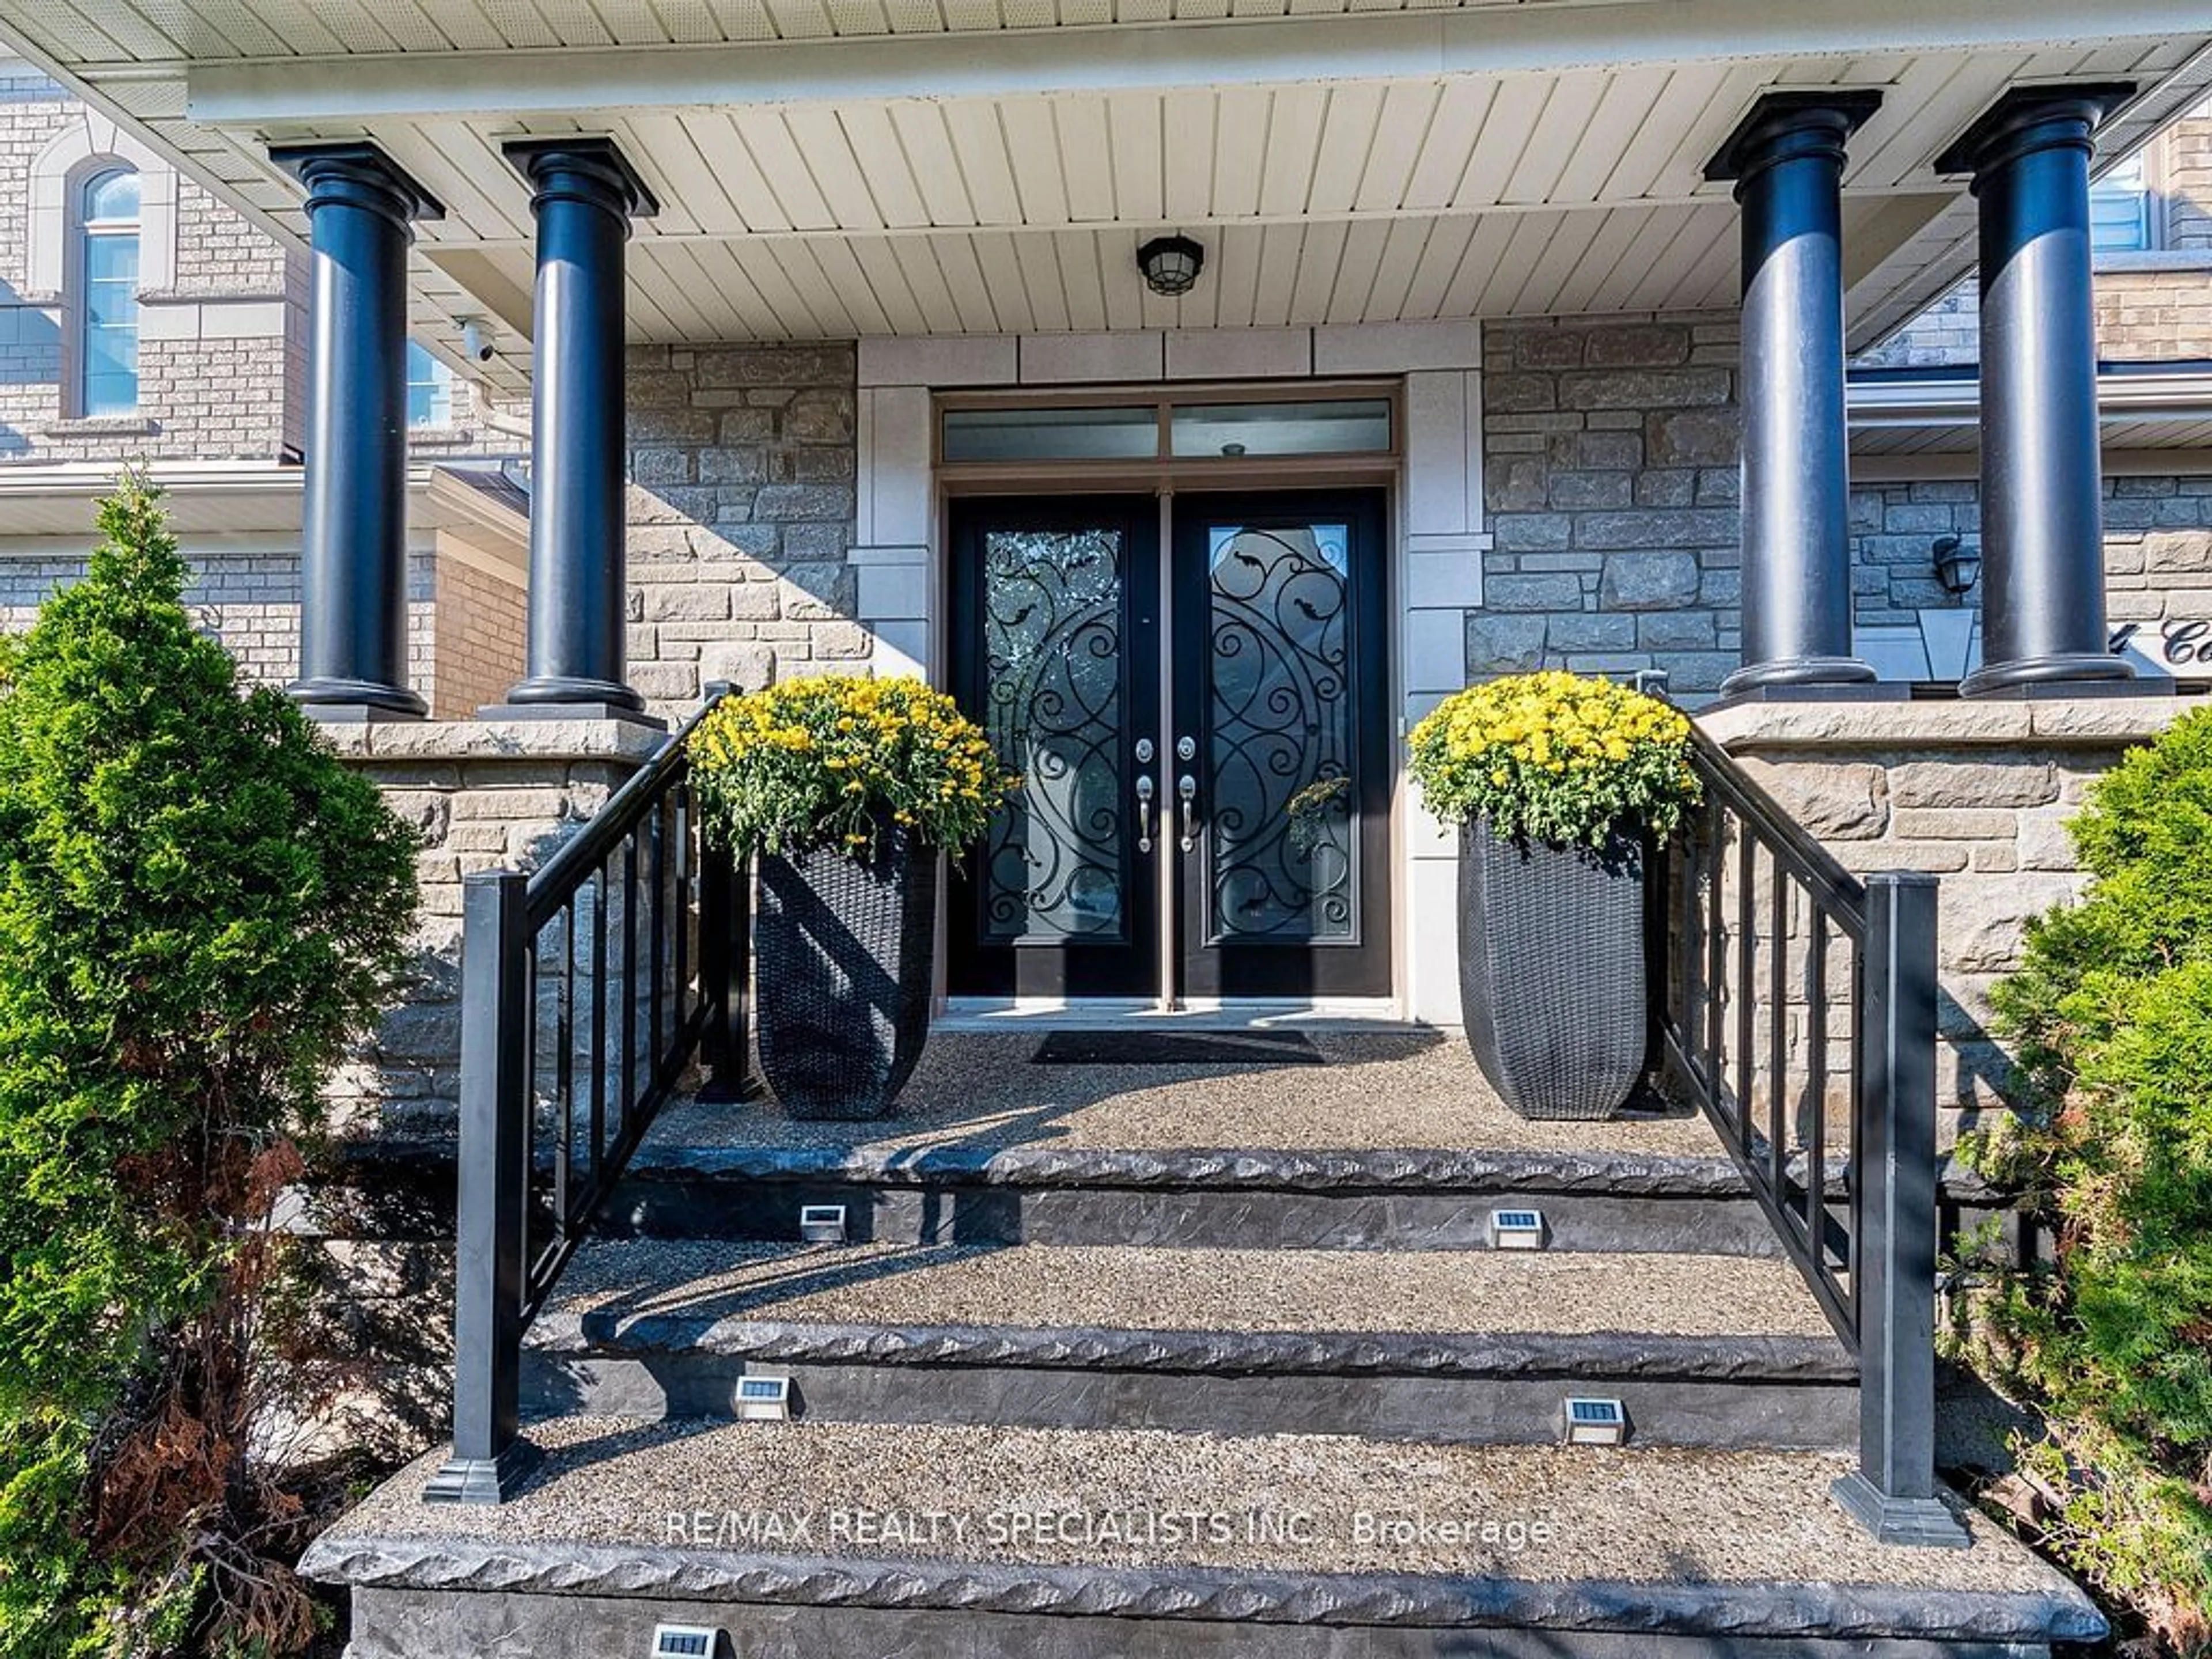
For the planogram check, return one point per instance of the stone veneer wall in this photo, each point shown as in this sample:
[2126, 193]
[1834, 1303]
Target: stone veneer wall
[2158, 560]
[1975, 793]
[742, 507]
[483, 795]
[1610, 451]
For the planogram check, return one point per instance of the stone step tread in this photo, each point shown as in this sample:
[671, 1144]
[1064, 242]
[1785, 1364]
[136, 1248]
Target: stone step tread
[1284, 1308]
[1379, 1091]
[1302, 1528]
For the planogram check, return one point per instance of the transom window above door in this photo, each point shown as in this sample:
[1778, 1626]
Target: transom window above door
[1209, 425]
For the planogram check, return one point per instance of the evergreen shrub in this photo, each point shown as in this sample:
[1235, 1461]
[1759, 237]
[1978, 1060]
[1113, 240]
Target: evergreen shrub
[200, 910]
[2112, 1337]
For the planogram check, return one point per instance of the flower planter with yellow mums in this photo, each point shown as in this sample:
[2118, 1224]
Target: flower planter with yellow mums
[1562, 788]
[847, 789]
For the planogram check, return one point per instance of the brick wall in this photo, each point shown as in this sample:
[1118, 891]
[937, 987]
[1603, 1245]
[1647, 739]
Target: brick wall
[741, 516]
[1610, 450]
[475, 639]
[2149, 307]
[464, 624]
[210, 392]
[218, 253]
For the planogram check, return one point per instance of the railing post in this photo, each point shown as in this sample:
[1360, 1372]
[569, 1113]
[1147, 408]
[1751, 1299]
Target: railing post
[489, 1455]
[1893, 1493]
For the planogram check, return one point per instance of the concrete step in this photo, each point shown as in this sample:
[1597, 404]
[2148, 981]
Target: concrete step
[792, 1541]
[1476, 1348]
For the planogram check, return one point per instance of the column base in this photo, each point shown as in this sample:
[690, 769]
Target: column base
[483, 1479]
[1800, 676]
[571, 711]
[328, 698]
[1808, 679]
[573, 687]
[2069, 674]
[1917, 1522]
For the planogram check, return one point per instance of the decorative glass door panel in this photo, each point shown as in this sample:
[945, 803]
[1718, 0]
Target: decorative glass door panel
[1057, 637]
[1278, 733]
[1281, 695]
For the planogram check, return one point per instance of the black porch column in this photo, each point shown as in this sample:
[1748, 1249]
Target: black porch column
[353, 572]
[1787, 160]
[585, 196]
[2042, 528]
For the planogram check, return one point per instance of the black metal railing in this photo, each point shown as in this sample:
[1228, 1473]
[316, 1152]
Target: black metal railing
[1798, 1006]
[587, 990]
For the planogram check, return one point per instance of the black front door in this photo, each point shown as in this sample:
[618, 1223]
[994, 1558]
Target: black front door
[1055, 650]
[1282, 745]
[1238, 848]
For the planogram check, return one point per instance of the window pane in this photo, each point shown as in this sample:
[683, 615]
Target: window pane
[111, 197]
[109, 342]
[1051, 435]
[1347, 426]
[2119, 220]
[430, 389]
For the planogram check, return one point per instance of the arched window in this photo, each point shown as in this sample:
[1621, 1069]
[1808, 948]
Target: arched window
[107, 222]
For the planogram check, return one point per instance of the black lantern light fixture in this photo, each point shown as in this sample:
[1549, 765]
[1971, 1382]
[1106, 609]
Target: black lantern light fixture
[1170, 264]
[1957, 566]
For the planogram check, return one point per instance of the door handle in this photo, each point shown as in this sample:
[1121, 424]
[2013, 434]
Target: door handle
[1187, 789]
[1145, 793]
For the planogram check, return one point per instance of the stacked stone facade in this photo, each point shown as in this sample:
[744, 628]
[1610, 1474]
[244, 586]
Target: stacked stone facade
[2158, 557]
[1610, 451]
[742, 507]
[1976, 792]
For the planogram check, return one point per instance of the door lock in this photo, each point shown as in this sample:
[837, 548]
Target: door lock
[1186, 749]
[1144, 751]
[1187, 788]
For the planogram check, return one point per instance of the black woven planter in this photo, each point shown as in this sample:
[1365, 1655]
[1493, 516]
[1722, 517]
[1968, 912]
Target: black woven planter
[842, 955]
[1551, 977]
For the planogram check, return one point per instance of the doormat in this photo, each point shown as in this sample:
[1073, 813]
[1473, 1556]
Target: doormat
[1177, 1048]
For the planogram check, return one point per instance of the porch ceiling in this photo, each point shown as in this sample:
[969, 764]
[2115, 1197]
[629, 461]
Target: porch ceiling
[1545, 158]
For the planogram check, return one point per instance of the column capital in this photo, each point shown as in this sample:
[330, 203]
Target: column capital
[591, 170]
[2030, 118]
[357, 173]
[1785, 127]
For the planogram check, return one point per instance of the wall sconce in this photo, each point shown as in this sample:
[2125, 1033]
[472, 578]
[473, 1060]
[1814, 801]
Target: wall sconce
[1957, 566]
[1170, 264]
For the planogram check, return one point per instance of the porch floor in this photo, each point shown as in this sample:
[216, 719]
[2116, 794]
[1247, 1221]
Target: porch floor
[1377, 1090]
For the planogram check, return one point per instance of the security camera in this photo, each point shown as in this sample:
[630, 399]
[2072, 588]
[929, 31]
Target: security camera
[476, 339]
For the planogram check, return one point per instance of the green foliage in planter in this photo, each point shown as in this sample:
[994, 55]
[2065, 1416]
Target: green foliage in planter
[200, 909]
[2112, 1009]
[824, 761]
[1554, 757]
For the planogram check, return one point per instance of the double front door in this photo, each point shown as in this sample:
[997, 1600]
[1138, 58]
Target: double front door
[1197, 701]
